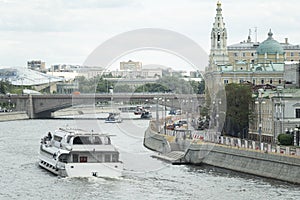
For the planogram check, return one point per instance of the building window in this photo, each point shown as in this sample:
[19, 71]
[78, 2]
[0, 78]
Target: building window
[225, 81]
[279, 81]
[252, 54]
[262, 81]
[241, 80]
[271, 81]
[292, 53]
[235, 54]
[244, 54]
[253, 81]
[298, 113]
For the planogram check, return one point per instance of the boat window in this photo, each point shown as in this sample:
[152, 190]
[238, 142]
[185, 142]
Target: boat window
[107, 140]
[97, 140]
[82, 140]
[114, 158]
[69, 138]
[87, 140]
[75, 158]
[57, 138]
[99, 158]
[107, 158]
[63, 158]
[83, 159]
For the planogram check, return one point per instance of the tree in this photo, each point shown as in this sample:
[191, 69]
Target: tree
[285, 139]
[238, 98]
[6, 87]
[152, 87]
[122, 88]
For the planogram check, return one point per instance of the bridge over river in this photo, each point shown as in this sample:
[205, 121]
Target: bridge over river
[41, 106]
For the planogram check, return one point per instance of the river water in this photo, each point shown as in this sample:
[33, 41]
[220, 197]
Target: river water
[145, 177]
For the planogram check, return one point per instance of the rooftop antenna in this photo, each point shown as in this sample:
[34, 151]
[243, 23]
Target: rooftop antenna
[255, 31]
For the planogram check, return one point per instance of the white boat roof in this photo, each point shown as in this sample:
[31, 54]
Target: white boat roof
[68, 131]
[91, 148]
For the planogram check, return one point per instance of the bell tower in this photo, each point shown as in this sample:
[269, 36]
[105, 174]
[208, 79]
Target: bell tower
[218, 49]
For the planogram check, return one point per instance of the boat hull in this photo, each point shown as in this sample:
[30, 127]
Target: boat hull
[105, 170]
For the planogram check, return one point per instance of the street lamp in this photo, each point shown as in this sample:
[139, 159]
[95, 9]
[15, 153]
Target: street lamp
[259, 102]
[217, 103]
[49, 78]
[165, 115]
[297, 135]
[111, 91]
[157, 115]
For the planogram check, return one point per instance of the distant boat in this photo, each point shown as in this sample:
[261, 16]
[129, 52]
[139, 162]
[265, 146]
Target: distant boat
[146, 114]
[138, 110]
[79, 153]
[113, 118]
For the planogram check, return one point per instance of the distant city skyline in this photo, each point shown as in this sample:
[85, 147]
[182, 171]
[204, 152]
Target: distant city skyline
[61, 31]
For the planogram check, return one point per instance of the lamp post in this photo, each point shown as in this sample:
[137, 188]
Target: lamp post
[181, 109]
[296, 135]
[111, 91]
[165, 114]
[260, 101]
[49, 78]
[157, 115]
[22, 79]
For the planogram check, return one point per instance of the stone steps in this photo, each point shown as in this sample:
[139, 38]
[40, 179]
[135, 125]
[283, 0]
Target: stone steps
[174, 157]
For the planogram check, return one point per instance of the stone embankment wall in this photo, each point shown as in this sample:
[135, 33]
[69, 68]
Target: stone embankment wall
[164, 143]
[156, 142]
[281, 167]
[9, 116]
[261, 163]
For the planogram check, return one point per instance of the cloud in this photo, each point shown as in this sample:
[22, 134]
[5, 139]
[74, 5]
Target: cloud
[95, 4]
[68, 30]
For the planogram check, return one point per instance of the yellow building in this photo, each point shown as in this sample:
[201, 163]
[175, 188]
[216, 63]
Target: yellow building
[246, 51]
[131, 65]
[252, 62]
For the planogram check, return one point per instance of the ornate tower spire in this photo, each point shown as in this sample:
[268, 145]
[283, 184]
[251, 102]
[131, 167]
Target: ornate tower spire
[218, 49]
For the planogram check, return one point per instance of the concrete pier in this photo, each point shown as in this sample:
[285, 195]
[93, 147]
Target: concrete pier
[10, 116]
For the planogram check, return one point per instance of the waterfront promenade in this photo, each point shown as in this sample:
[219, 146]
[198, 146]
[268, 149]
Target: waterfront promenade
[203, 147]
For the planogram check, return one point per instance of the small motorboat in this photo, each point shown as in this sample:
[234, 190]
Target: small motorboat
[146, 114]
[113, 118]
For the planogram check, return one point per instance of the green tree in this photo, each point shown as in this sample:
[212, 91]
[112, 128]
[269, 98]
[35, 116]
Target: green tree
[103, 85]
[6, 87]
[122, 88]
[285, 139]
[238, 98]
[151, 87]
[201, 87]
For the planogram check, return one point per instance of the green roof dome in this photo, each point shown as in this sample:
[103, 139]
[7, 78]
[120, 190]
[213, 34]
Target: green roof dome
[270, 46]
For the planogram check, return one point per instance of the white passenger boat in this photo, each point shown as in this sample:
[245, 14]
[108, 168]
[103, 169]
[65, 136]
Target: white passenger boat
[113, 118]
[78, 153]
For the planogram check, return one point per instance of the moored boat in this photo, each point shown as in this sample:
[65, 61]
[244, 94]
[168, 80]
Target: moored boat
[78, 153]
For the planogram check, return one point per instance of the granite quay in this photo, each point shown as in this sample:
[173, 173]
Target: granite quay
[203, 147]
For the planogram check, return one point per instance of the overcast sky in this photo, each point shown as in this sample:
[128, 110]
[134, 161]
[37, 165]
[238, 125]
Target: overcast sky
[67, 31]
